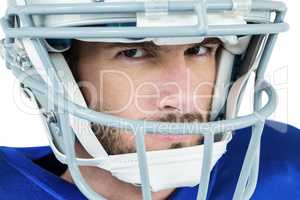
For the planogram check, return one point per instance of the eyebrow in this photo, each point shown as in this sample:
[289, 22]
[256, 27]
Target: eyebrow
[211, 41]
[146, 45]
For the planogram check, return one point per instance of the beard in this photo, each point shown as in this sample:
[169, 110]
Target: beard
[112, 141]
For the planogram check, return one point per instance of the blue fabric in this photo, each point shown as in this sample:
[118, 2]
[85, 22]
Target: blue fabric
[279, 173]
[278, 179]
[21, 179]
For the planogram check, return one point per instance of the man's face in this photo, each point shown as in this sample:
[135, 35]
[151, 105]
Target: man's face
[144, 81]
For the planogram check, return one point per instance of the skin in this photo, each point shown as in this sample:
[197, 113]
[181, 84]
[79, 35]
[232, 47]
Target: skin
[170, 83]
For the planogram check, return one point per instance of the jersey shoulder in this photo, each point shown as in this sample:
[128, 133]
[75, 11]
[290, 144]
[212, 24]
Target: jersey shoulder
[279, 173]
[22, 178]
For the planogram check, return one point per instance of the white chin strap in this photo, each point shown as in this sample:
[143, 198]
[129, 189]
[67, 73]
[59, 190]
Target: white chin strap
[171, 168]
[167, 168]
[164, 166]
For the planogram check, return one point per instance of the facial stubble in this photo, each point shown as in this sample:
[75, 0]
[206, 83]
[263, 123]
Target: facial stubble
[113, 143]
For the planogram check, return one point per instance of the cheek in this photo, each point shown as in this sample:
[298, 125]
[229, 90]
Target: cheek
[203, 83]
[88, 84]
[116, 89]
[130, 93]
[146, 96]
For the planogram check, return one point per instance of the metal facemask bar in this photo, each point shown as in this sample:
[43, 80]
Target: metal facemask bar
[249, 172]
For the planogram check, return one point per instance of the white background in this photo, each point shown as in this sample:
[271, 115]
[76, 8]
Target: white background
[20, 125]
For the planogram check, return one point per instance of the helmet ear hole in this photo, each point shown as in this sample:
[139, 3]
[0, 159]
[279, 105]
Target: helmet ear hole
[57, 45]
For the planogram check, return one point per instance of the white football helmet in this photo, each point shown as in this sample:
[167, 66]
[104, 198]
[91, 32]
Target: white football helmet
[38, 32]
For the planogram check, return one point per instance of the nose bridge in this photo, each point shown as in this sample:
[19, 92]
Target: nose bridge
[175, 84]
[175, 69]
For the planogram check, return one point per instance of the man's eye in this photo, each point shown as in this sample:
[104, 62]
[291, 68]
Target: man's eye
[133, 53]
[197, 51]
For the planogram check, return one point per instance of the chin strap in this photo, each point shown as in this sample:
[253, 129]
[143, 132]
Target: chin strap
[164, 166]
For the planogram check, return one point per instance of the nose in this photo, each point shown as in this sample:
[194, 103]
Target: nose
[175, 94]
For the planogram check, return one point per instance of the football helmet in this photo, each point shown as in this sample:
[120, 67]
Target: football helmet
[38, 32]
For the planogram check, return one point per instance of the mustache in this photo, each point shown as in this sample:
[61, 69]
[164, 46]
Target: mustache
[110, 137]
[175, 118]
[99, 129]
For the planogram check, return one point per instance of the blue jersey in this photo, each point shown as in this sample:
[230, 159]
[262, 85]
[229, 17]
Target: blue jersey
[33, 173]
